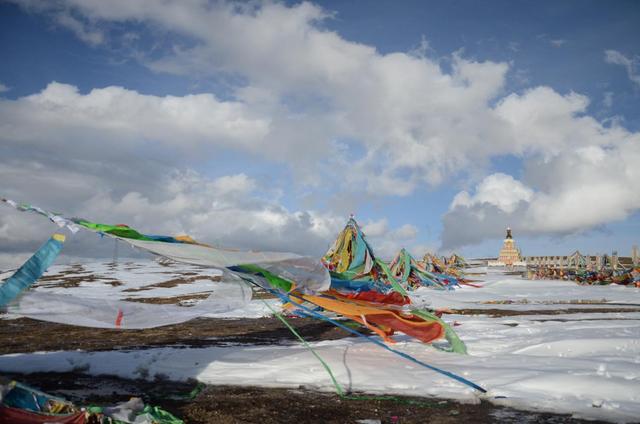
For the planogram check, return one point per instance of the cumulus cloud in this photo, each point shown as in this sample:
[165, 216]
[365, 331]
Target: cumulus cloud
[416, 123]
[124, 116]
[92, 37]
[579, 174]
[99, 155]
[404, 232]
[112, 155]
[228, 210]
[630, 64]
[378, 228]
[572, 192]
[544, 122]
[387, 241]
[298, 90]
[500, 190]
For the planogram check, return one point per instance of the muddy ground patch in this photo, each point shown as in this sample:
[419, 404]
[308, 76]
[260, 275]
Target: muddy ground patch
[236, 404]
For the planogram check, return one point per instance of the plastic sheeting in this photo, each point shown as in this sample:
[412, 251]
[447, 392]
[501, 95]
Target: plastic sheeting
[134, 411]
[227, 296]
[308, 274]
[208, 256]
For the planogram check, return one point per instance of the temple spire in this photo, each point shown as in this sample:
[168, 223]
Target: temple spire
[509, 254]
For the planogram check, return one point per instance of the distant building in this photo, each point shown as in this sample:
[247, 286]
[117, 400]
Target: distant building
[588, 262]
[509, 254]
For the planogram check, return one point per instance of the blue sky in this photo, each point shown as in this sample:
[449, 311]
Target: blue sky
[264, 125]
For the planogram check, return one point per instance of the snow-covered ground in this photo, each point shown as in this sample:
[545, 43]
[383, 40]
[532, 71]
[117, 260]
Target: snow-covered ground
[498, 289]
[128, 280]
[586, 364]
[104, 286]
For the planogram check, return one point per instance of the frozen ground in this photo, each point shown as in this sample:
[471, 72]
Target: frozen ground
[103, 286]
[575, 360]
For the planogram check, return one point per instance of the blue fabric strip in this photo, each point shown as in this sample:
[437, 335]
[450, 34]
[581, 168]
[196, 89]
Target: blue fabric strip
[166, 239]
[359, 253]
[453, 281]
[30, 271]
[353, 285]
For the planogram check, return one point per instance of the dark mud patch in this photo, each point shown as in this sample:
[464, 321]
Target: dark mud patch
[234, 404]
[175, 282]
[175, 300]
[70, 270]
[69, 279]
[27, 335]
[66, 282]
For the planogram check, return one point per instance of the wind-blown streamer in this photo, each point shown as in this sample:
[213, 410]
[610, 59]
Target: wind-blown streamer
[31, 270]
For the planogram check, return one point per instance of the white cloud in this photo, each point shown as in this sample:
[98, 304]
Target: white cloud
[377, 228]
[417, 123]
[406, 231]
[630, 64]
[228, 210]
[585, 188]
[410, 121]
[543, 122]
[387, 241]
[92, 37]
[126, 117]
[234, 184]
[100, 155]
[3, 88]
[500, 190]
[558, 42]
[574, 191]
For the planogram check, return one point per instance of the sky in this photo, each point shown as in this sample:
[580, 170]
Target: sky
[266, 124]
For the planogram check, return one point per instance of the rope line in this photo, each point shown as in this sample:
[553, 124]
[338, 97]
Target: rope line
[377, 342]
[339, 389]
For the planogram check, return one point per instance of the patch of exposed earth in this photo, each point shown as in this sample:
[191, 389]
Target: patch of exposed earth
[235, 404]
[174, 282]
[27, 335]
[231, 404]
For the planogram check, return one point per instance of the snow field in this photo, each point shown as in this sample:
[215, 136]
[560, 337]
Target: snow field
[586, 364]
